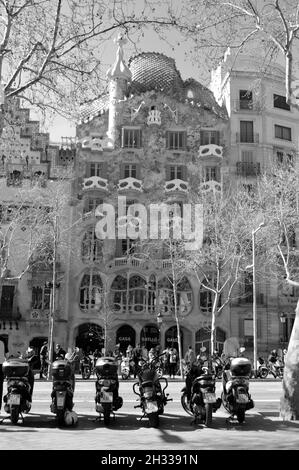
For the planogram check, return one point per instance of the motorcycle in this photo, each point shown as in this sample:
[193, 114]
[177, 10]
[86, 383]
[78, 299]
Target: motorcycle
[276, 368]
[198, 397]
[62, 390]
[18, 397]
[107, 398]
[86, 367]
[151, 395]
[235, 395]
[262, 369]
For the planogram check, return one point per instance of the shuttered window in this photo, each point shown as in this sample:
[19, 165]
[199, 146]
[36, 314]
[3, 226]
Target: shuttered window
[176, 140]
[131, 138]
[208, 137]
[98, 169]
[282, 132]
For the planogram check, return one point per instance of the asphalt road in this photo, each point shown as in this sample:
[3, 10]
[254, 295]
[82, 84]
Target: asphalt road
[262, 430]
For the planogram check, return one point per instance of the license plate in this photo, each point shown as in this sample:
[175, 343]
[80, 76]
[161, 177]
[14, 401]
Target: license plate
[106, 397]
[209, 398]
[151, 407]
[60, 400]
[14, 399]
[242, 398]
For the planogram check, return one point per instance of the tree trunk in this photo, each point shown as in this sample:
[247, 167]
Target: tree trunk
[289, 402]
[213, 323]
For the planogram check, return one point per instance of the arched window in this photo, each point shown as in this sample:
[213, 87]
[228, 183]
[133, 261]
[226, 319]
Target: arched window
[166, 297]
[91, 291]
[119, 293]
[92, 247]
[137, 294]
[129, 294]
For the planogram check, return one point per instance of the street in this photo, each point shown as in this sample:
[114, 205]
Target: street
[262, 429]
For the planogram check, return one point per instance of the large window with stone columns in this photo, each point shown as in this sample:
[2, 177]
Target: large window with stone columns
[91, 290]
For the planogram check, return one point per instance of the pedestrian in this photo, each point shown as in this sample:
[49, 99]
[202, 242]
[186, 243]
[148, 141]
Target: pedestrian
[43, 356]
[190, 356]
[118, 357]
[31, 358]
[59, 353]
[165, 360]
[3, 356]
[136, 358]
[172, 362]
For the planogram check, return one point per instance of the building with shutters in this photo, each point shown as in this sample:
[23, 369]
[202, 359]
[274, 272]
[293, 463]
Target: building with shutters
[263, 129]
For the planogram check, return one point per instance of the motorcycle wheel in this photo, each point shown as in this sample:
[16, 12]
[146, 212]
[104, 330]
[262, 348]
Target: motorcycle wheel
[241, 416]
[263, 373]
[208, 415]
[45, 372]
[153, 420]
[60, 417]
[184, 403]
[14, 414]
[106, 414]
[86, 375]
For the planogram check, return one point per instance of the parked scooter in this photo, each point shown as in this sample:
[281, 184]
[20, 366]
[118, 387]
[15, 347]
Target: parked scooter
[151, 395]
[198, 397]
[18, 397]
[107, 398]
[235, 395]
[62, 391]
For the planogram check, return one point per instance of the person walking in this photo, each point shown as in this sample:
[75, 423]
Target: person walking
[172, 362]
[3, 356]
[190, 357]
[43, 356]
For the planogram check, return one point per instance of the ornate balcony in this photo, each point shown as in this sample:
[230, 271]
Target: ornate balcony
[130, 183]
[95, 182]
[212, 185]
[176, 185]
[210, 150]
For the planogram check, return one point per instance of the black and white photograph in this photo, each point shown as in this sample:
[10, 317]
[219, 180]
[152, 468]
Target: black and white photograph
[149, 231]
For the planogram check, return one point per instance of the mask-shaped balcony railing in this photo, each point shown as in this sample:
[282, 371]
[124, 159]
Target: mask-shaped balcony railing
[130, 183]
[95, 182]
[211, 185]
[210, 150]
[176, 185]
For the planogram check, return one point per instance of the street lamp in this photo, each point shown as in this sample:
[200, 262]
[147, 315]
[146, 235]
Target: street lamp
[254, 313]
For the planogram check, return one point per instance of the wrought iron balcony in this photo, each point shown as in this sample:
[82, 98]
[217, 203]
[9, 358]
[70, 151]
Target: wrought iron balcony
[247, 138]
[246, 105]
[248, 169]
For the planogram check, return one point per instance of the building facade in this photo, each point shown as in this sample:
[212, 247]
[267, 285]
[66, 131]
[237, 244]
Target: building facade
[139, 144]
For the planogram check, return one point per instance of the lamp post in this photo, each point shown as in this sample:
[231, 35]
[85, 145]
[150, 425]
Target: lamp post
[254, 312]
